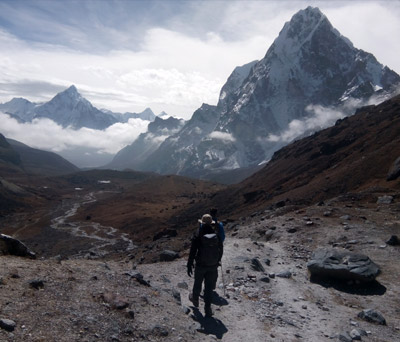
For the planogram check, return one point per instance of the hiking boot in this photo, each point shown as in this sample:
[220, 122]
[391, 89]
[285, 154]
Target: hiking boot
[207, 310]
[194, 300]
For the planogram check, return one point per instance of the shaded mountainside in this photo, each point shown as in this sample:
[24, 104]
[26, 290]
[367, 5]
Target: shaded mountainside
[41, 162]
[354, 155]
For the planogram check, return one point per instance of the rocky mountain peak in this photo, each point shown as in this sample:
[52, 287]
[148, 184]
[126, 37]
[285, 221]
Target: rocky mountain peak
[71, 96]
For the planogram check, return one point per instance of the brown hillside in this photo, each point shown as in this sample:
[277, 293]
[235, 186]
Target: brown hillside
[354, 155]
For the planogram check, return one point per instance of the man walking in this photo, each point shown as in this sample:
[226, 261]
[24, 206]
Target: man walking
[206, 250]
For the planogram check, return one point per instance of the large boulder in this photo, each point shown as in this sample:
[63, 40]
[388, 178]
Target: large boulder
[9, 245]
[342, 265]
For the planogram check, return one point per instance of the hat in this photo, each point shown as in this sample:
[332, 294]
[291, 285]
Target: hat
[207, 219]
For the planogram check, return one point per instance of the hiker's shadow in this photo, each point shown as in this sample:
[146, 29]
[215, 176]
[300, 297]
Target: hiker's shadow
[209, 325]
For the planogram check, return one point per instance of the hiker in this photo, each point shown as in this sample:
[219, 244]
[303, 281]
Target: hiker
[206, 249]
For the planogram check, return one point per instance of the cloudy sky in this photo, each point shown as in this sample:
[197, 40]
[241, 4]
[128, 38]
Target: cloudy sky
[126, 55]
[166, 55]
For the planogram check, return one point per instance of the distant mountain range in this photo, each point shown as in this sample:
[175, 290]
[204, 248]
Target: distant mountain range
[264, 105]
[70, 108]
[309, 64]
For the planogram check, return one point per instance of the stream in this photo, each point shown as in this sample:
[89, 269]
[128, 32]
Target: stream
[103, 237]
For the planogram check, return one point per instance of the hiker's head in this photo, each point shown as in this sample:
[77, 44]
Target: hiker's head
[213, 212]
[207, 219]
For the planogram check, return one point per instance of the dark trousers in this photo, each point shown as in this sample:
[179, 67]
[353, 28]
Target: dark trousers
[209, 275]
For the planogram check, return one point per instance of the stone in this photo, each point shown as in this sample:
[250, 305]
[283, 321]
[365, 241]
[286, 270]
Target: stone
[385, 200]
[256, 265]
[116, 301]
[184, 285]
[284, 274]
[355, 334]
[267, 262]
[265, 279]
[37, 284]
[344, 337]
[394, 171]
[9, 245]
[138, 276]
[7, 324]
[168, 255]
[159, 330]
[342, 265]
[372, 316]
[393, 241]
[291, 230]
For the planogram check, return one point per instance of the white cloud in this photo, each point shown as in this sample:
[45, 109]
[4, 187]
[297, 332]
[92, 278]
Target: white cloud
[222, 136]
[321, 117]
[46, 134]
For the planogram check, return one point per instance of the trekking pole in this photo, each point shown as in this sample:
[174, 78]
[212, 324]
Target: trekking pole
[222, 278]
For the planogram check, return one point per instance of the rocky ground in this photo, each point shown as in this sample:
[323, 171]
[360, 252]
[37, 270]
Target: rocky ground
[79, 299]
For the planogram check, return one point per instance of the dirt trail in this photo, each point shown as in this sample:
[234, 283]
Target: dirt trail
[263, 306]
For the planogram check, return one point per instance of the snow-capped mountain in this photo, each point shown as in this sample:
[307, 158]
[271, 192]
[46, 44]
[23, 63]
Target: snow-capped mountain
[132, 156]
[19, 108]
[147, 115]
[70, 109]
[309, 63]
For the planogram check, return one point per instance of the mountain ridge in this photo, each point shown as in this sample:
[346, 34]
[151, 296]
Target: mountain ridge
[309, 63]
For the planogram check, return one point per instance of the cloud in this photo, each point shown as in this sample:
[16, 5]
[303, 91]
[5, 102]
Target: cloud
[171, 56]
[222, 136]
[321, 117]
[46, 134]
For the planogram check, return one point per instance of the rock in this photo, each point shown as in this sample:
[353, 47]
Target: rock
[344, 337]
[265, 279]
[385, 200]
[355, 334]
[116, 301]
[138, 276]
[9, 245]
[256, 265]
[7, 324]
[186, 310]
[372, 316]
[168, 255]
[37, 284]
[184, 285]
[393, 241]
[345, 217]
[166, 233]
[268, 235]
[291, 230]
[159, 330]
[284, 274]
[267, 262]
[342, 265]
[394, 171]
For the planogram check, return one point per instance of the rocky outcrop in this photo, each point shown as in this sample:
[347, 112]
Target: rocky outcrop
[342, 265]
[9, 245]
[372, 316]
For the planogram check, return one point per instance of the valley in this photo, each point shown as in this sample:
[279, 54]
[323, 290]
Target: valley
[295, 163]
